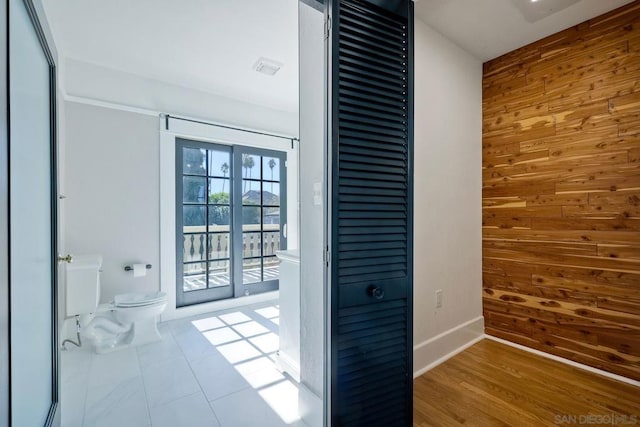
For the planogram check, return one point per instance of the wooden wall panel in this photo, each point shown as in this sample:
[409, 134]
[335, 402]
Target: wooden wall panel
[561, 193]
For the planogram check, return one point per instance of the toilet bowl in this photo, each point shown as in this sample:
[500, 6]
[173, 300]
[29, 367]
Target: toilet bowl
[129, 320]
[141, 312]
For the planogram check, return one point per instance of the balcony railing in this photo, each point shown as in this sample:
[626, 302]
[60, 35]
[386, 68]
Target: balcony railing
[194, 248]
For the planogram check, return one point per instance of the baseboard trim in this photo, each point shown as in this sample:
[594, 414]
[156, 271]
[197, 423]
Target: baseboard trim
[287, 364]
[436, 350]
[565, 361]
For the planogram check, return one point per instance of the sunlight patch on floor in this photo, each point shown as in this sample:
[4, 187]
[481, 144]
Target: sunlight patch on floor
[279, 397]
[250, 329]
[221, 336]
[251, 348]
[235, 317]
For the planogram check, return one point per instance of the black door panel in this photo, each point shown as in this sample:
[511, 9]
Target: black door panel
[371, 125]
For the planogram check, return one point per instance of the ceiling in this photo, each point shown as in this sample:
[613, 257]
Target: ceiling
[210, 45]
[490, 28]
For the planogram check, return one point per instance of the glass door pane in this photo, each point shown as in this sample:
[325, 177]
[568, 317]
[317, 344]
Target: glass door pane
[261, 209]
[32, 219]
[231, 220]
[204, 215]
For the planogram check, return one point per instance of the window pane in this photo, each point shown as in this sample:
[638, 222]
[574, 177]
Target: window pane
[271, 216]
[193, 161]
[219, 163]
[194, 276]
[219, 218]
[271, 268]
[250, 218]
[250, 192]
[219, 246]
[270, 242]
[251, 166]
[219, 191]
[219, 273]
[194, 247]
[193, 189]
[271, 168]
[251, 270]
[251, 244]
[271, 193]
[193, 219]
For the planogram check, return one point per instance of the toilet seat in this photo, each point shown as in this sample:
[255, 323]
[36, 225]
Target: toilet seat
[139, 299]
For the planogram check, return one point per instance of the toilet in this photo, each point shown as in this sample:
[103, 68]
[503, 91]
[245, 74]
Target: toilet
[131, 319]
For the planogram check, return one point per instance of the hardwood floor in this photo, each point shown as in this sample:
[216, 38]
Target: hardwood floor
[492, 384]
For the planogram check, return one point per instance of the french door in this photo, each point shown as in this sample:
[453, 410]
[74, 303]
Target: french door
[231, 220]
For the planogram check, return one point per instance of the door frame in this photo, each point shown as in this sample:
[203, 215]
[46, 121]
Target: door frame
[266, 285]
[212, 294]
[176, 127]
[236, 286]
[53, 418]
[5, 394]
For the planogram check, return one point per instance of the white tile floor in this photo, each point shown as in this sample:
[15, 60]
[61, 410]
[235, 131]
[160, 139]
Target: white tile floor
[210, 370]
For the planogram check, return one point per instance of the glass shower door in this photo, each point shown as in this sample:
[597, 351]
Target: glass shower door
[32, 231]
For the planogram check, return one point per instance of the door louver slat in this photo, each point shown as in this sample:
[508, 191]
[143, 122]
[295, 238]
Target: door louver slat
[364, 41]
[371, 114]
[372, 214]
[363, 20]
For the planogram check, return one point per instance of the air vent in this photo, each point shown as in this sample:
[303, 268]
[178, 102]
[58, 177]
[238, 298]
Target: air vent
[267, 66]
[535, 10]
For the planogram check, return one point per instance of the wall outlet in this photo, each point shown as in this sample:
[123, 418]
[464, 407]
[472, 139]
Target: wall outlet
[439, 298]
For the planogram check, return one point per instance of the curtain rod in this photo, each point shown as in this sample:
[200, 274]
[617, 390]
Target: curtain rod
[169, 116]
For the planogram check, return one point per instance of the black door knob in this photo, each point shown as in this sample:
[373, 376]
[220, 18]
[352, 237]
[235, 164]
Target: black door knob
[376, 292]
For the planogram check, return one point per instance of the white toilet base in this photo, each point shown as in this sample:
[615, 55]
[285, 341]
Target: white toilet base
[141, 333]
[143, 330]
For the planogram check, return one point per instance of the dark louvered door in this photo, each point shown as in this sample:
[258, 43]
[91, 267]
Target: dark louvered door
[371, 243]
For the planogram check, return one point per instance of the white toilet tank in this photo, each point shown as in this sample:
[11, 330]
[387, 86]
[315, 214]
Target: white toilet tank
[83, 284]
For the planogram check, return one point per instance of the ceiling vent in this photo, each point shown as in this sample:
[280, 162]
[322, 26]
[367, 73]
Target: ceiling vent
[535, 10]
[267, 66]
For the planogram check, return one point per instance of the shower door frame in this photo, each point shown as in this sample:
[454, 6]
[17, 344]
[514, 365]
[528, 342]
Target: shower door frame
[48, 49]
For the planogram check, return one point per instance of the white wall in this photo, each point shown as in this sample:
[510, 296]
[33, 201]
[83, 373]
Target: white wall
[448, 181]
[112, 189]
[312, 210]
[85, 80]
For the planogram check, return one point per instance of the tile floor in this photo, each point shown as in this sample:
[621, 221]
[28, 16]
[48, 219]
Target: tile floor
[209, 370]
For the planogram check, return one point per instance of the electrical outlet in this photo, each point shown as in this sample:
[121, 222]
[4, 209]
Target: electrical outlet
[439, 298]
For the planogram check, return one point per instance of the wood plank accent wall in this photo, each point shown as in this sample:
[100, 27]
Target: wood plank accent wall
[561, 193]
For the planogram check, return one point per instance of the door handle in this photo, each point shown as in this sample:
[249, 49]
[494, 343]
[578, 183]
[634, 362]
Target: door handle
[67, 258]
[376, 292]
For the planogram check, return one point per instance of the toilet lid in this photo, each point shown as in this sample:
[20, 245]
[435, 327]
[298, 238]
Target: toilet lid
[137, 300]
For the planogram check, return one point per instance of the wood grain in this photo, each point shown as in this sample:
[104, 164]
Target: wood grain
[491, 384]
[561, 193]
